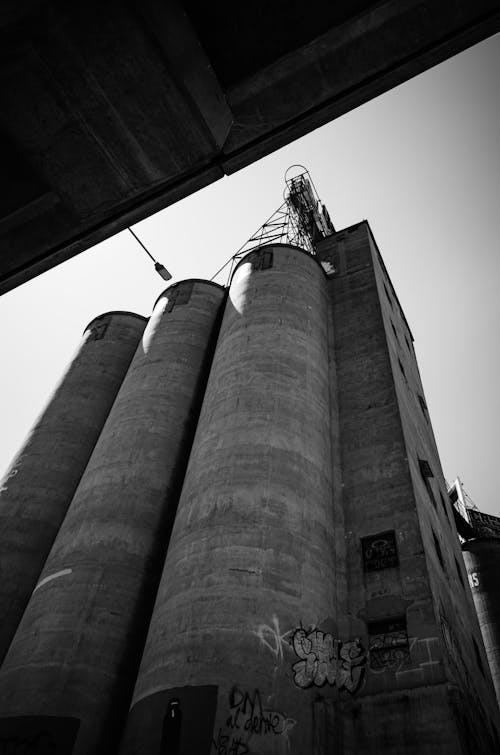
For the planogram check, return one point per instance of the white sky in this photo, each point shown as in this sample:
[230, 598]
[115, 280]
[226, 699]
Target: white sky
[420, 163]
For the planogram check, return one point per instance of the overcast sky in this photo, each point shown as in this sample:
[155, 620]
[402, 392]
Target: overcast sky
[420, 163]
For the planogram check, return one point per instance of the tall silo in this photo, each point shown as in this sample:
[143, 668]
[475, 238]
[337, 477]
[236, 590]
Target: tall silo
[75, 655]
[482, 561]
[248, 587]
[42, 479]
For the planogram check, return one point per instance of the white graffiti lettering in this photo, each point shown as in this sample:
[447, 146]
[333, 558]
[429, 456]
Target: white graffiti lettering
[271, 637]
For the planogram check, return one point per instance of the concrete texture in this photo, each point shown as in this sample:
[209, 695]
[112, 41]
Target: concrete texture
[482, 561]
[250, 564]
[75, 654]
[41, 481]
[111, 111]
[407, 596]
[313, 597]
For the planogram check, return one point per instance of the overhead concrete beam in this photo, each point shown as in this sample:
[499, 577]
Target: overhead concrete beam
[112, 111]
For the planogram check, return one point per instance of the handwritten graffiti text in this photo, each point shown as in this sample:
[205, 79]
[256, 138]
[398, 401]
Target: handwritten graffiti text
[248, 718]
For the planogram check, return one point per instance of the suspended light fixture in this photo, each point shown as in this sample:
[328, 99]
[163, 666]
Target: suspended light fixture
[160, 269]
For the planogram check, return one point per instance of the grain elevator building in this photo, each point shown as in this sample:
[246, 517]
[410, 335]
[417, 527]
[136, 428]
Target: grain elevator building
[260, 556]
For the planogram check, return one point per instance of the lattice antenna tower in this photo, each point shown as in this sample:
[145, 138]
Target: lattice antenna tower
[302, 219]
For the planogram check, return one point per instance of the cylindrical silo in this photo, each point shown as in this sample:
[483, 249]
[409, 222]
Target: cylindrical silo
[42, 479]
[75, 655]
[482, 561]
[247, 585]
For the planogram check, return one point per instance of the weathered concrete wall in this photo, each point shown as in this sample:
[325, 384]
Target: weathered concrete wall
[41, 481]
[76, 652]
[312, 600]
[248, 583]
[389, 582]
[482, 561]
[464, 654]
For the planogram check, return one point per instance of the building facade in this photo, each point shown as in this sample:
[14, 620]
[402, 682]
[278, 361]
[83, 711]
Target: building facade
[287, 576]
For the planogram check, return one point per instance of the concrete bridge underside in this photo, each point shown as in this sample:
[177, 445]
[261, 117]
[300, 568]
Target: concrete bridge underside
[110, 111]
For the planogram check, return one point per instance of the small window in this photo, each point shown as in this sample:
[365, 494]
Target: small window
[408, 344]
[453, 495]
[478, 656]
[387, 294]
[426, 473]
[459, 572]
[402, 369]
[395, 332]
[388, 644]
[423, 406]
[379, 551]
[425, 469]
[439, 552]
[178, 295]
[262, 260]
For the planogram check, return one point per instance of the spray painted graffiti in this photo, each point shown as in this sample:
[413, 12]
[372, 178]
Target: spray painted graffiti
[388, 644]
[325, 659]
[271, 637]
[225, 744]
[248, 719]
[425, 648]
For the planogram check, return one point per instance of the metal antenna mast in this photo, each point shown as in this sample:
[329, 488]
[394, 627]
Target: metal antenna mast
[302, 220]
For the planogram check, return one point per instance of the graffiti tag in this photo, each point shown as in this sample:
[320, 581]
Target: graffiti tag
[271, 637]
[248, 718]
[228, 745]
[326, 659]
[248, 713]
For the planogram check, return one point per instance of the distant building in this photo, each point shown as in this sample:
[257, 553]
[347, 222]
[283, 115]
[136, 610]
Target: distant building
[480, 534]
[261, 555]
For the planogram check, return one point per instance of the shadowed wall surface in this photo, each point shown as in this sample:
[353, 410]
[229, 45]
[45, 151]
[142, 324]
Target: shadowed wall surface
[38, 487]
[76, 652]
[111, 111]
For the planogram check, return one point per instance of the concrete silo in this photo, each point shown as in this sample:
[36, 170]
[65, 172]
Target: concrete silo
[482, 561]
[247, 594]
[71, 667]
[39, 485]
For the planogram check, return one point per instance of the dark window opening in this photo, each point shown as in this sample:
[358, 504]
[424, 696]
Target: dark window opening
[379, 551]
[426, 473]
[453, 495]
[439, 552]
[459, 572]
[423, 406]
[478, 656]
[387, 294]
[395, 332]
[402, 369]
[262, 260]
[425, 469]
[388, 644]
[178, 295]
